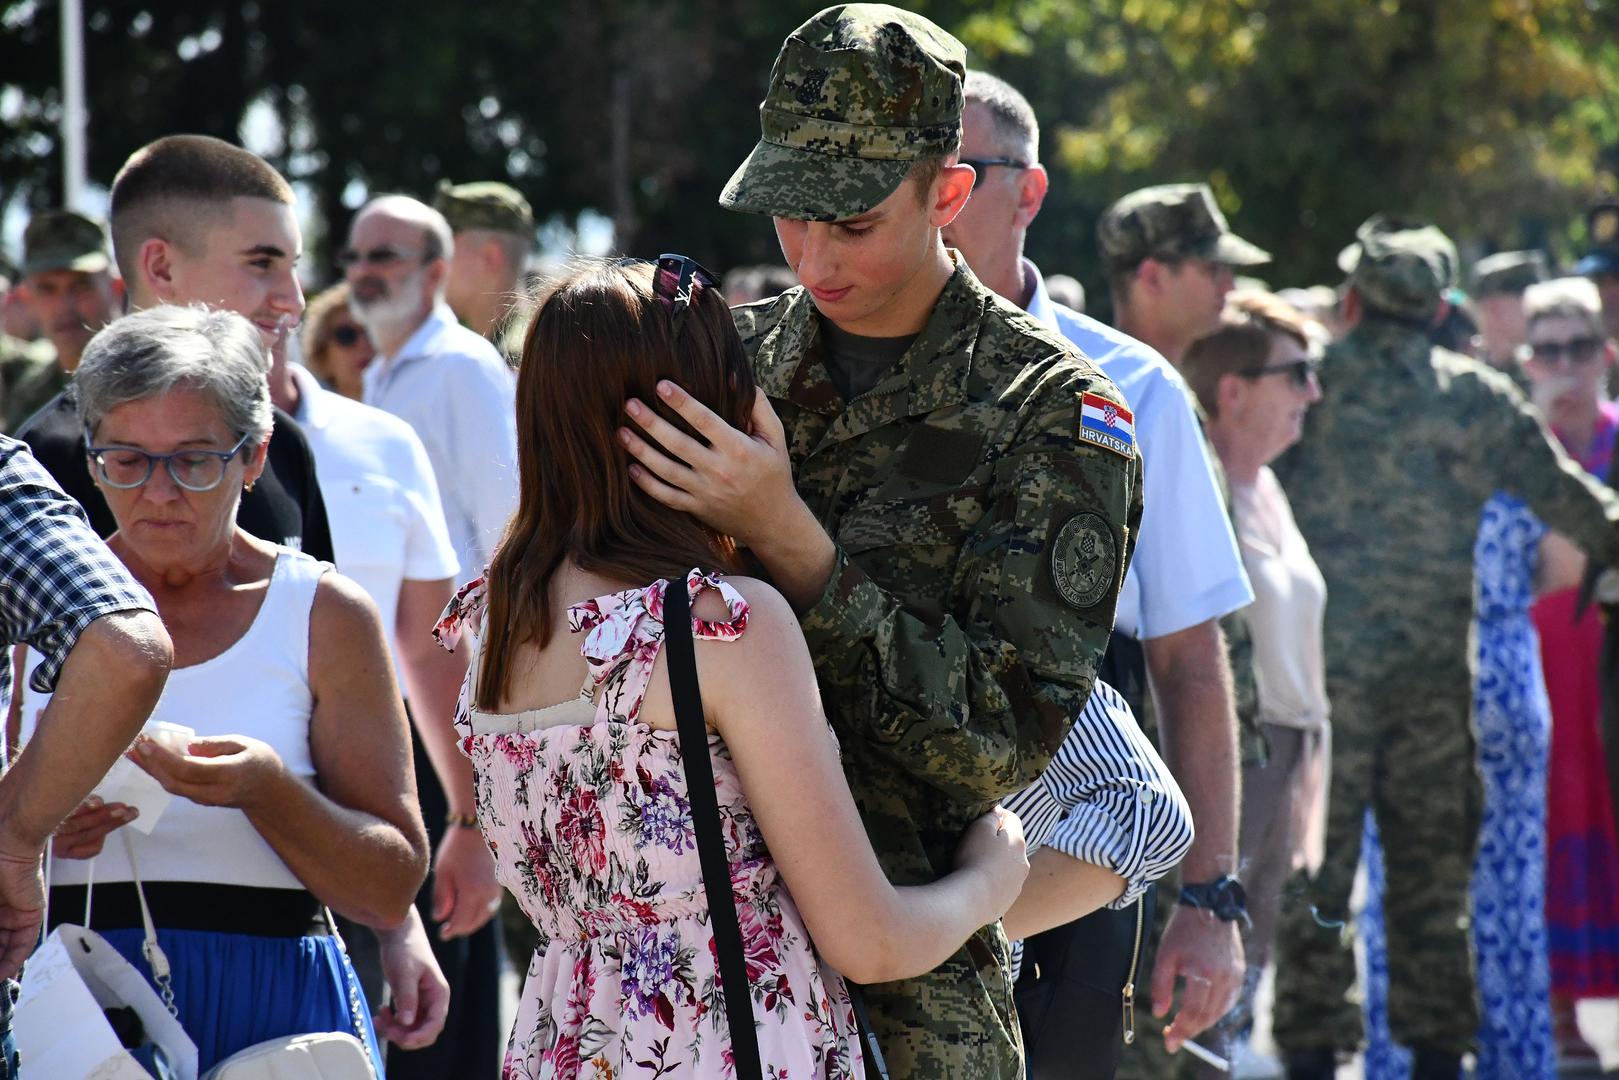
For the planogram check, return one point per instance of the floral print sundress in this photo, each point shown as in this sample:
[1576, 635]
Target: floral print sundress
[585, 810]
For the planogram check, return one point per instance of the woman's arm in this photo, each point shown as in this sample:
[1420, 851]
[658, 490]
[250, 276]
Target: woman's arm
[355, 838]
[866, 928]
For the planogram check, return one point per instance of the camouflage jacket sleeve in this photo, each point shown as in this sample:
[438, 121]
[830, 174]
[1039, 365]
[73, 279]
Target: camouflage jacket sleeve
[1531, 464]
[972, 691]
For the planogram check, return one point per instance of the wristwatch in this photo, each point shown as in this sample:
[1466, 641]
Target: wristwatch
[1224, 899]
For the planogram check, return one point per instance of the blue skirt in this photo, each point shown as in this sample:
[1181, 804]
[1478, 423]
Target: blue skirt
[235, 990]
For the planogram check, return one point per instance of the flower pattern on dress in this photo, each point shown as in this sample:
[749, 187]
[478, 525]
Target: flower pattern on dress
[591, 829]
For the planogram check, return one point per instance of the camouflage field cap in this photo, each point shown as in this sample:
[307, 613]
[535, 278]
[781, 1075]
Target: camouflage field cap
[1400, 266]
[1602, 232]
[857, 94]
[484, 204]
[63, 240]
[1172, 221]
[1508, 273]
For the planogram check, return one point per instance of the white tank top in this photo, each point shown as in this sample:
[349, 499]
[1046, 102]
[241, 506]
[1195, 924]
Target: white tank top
[257, 687]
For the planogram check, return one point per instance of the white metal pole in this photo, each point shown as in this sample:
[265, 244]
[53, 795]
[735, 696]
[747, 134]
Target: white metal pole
[75, 115]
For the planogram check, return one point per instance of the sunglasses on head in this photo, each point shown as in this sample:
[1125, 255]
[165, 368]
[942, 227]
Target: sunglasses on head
[980, 165]
[675, 279]
[1300, 371]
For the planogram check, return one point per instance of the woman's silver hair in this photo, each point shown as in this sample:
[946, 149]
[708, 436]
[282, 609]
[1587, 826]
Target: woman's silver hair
[149, 353]
[1566, 297]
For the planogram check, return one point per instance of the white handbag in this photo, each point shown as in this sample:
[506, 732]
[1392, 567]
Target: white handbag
[322, 1055]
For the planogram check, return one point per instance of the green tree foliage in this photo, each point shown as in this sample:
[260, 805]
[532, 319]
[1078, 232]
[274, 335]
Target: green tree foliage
[1499, 118]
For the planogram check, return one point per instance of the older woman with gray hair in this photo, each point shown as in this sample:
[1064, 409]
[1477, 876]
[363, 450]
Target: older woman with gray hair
[294, 790]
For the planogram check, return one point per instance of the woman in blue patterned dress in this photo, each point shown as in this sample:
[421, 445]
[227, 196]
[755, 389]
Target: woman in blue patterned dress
[1513, 723]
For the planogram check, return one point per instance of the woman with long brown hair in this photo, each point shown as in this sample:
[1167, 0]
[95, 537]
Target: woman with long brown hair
[582, 789]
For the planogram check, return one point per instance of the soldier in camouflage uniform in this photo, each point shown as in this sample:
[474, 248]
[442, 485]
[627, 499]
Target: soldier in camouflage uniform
[948, 497]
[1387, 484]
[494, 234]
[67, 284]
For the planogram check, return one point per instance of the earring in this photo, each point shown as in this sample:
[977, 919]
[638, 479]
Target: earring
[248, 486]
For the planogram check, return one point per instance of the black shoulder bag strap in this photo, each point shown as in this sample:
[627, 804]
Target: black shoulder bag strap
[705, 816]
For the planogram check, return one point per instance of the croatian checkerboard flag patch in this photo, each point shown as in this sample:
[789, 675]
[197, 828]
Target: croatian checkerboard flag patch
[1105, 424]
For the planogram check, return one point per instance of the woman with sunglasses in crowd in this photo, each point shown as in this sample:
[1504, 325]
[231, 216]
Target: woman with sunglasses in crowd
[296, 792]
[334, 344]
[569, 720]
[1567, 359]
[1255, 377]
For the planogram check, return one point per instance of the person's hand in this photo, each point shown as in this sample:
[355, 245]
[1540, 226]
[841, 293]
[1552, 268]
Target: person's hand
[740, 485]
[994, 846]
[421, 997]
[465, 892]
[1206, 954]
[22, 904]
[225, 770]
[83, 832]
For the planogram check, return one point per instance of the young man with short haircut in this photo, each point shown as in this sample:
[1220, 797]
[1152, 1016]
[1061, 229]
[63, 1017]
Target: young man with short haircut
[946, 491]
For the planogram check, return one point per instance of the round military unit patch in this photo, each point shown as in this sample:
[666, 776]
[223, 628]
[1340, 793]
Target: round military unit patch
[1084, 557]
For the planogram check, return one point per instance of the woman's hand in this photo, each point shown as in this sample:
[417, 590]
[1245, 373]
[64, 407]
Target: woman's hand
[84, 831]
[224, 770]
[993, 846]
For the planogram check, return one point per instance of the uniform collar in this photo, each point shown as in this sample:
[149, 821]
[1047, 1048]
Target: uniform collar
[931, 375]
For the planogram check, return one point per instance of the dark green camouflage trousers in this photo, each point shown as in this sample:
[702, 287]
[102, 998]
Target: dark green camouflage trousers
[1402, 744]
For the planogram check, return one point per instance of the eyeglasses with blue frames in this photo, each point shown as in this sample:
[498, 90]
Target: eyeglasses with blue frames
[125, 467]
[675, 279]
[982, 165]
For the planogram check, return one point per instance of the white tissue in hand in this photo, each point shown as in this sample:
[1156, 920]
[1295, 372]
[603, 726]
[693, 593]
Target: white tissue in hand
[128, 783]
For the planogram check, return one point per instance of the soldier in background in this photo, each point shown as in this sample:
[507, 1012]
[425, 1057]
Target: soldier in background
[493, 227]
[1601, 262]
[1387, 485]
[946, 491]
[1498, 284]
[68, 284]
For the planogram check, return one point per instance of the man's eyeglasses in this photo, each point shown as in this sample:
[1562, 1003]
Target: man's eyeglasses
[675, 279]
[1581, 350]
[347, 336]
[378, 256]
[1300, 371]
[124, 467]
[981, 164]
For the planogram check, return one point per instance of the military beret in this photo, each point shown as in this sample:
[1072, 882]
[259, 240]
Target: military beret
[1172, 221]
[63, 240]
[857, 95]
[1508, 273]
[1602, 231]
[1400, 266]
[485, 204]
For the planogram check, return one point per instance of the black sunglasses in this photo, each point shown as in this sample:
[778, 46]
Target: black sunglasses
[1581, 350]
[1301, 371]
[347, 336]
[377, 256]
[981, 164]
[675, 279]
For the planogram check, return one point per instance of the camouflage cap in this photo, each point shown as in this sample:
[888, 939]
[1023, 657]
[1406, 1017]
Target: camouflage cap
[1602, 231]
[1172, 221]
[484, 204]
[1400, 266]
[63, 240]
[1508, 273]
[857, 95]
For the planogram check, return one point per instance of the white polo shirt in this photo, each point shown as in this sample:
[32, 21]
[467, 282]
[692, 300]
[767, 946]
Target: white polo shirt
[456, 391]
[383, 502]
[1187, 568]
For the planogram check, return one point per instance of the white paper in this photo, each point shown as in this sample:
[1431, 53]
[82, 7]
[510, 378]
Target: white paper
[128, 783]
